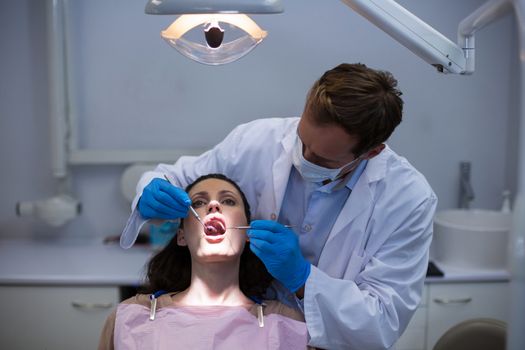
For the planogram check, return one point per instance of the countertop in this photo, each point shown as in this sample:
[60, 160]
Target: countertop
[70, 262]
[456, 275]
[91, 262]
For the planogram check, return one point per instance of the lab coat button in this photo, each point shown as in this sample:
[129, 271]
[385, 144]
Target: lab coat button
[307, 228]
[273, 216]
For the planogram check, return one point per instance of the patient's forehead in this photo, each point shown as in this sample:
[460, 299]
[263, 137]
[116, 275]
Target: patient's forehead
[213, 186]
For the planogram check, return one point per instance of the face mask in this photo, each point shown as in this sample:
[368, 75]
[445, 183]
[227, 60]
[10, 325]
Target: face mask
[312, 172]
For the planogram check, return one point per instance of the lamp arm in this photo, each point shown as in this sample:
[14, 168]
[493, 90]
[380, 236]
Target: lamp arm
[413, 33]
[484, 15]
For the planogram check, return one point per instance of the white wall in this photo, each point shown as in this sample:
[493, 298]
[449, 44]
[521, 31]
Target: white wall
[133, 91]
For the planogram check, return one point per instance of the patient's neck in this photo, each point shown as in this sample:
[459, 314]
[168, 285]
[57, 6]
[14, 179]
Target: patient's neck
[213, 284]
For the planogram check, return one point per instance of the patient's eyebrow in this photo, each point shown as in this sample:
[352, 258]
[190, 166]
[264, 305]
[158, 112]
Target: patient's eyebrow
[201, 193]
[206, 194]
[228, 192]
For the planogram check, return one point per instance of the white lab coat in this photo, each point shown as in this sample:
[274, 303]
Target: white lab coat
[370, 274]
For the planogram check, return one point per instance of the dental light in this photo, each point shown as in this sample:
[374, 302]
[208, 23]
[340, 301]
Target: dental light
[210, 48]
[420, 38]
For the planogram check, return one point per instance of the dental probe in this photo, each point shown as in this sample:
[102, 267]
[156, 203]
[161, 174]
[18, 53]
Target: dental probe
[191, 208]
[248, 227]
[198, 217]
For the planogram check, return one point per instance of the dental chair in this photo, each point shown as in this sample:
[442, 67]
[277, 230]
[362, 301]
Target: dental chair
[474, 334]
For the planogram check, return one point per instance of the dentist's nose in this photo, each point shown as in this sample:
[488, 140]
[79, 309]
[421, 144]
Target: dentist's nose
[214, 207]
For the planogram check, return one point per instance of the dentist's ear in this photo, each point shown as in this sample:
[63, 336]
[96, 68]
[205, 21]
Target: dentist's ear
[181, 240]
[374, 151]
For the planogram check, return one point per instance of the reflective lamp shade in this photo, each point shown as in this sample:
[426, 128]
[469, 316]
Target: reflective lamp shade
[211, 49]
[218, 20]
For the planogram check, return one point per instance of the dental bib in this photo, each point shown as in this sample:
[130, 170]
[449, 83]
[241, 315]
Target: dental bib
[205, 327]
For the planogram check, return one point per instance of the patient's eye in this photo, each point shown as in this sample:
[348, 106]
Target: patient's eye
[229, 201]
[197, 203]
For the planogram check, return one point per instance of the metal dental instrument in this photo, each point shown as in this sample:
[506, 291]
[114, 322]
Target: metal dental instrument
[192, 209]
[248, 227]
[198, 218]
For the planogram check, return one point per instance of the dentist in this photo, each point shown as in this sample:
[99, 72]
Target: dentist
[356, 257]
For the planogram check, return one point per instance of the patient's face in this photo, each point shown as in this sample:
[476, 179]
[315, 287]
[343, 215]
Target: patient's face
[220, 206]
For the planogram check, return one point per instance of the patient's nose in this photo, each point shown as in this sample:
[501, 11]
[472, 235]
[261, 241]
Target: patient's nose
[214, 207]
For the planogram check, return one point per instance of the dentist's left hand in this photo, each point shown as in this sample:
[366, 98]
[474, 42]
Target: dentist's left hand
[162, 200]
[278, 248]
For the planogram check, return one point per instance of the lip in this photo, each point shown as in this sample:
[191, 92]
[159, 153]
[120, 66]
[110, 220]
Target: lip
[214, 217]
[214, 239]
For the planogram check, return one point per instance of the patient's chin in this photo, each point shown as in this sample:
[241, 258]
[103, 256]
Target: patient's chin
[221, 252]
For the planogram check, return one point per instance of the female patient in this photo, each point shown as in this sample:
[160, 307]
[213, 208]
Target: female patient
[203, 289]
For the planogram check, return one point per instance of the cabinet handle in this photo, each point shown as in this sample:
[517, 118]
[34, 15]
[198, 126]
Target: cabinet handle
[90, 306]
[453, 301]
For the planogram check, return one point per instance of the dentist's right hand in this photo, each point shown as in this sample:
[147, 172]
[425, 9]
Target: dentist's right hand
[162, 200]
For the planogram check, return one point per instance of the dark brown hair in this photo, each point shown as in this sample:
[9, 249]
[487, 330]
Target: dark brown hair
[365, 102]
[170, 269]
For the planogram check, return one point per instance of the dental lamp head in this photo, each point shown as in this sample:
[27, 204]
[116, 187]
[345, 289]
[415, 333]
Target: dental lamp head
[212, 48]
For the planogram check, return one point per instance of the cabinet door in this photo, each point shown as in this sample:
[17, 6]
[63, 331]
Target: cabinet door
[450, 304]
[44, 317]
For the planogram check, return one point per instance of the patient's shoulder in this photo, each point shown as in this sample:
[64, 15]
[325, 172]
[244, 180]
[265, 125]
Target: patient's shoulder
[144, 300]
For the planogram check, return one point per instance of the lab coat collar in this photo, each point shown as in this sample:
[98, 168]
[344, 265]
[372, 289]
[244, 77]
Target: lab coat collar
[283, 166]
[289, 140]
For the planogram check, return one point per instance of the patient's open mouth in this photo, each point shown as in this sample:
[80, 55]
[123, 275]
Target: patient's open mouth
[215, 227]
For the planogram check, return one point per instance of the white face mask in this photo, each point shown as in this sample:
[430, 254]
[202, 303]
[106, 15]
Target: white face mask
[312, 172]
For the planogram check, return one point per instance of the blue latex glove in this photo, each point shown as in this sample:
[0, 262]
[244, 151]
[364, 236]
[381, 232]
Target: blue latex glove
[278, 248]
[162, 200]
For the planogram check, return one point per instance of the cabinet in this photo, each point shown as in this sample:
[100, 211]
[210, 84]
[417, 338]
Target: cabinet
[54, 317]
[451, 303]
[444, 305]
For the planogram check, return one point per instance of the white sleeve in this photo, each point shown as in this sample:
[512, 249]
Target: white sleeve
[372, 311]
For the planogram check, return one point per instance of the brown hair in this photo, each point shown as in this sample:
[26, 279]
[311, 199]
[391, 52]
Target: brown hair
[365, 102]
[170, 269]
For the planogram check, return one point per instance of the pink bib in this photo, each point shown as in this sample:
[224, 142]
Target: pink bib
[205, 327]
